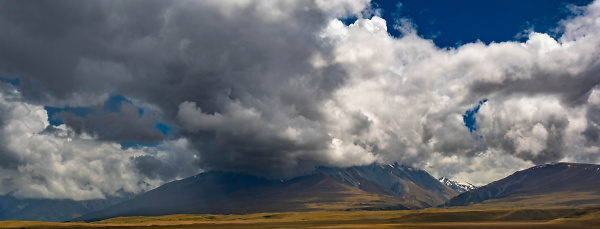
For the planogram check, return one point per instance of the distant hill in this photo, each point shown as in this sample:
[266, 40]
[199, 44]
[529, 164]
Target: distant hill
[459, 187]
[372, 187]
[550, 185]
[50, 210]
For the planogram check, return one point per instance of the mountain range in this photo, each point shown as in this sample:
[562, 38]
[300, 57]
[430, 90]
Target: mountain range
[371, 187]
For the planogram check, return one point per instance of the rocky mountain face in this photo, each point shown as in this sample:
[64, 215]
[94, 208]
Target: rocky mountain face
[459, 187]
[550, 185]
[396, 180]
[372, 187]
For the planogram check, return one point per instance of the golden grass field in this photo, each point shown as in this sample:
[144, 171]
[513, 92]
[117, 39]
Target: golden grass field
[427, 218]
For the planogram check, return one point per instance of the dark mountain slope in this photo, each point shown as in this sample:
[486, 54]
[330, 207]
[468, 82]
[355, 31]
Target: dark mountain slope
[234, 193]
[395, 180]
[362, 187]
[562, 184]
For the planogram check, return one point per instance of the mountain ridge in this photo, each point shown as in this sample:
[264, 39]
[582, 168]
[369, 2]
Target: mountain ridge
[556, 185]
[370, 187]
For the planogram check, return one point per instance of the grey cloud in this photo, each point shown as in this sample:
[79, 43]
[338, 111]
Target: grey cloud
[245, 138]
[61, 34]
[427, 134]
[79, 124]
[574, 90]
[454, 139]
[361, 123]
[28, 141]
[165, 53]
[154, 168]
[519, 138]
[592, 132]
[126, 125]
[555, 143]
[171, 160]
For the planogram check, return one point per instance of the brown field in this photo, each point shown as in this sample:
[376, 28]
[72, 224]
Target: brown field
[427, 218]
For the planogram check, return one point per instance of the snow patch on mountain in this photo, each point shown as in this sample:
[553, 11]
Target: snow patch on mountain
[460, 187]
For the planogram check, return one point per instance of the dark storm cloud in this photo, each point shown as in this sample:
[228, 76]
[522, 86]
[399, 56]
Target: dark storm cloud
[165, 53]
[592, 132]
[174, 49]
[126, 125]
[44, 42]
[361, 123]
[154, 168]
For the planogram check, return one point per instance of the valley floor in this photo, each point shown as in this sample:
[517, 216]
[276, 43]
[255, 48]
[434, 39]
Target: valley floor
[428, 218]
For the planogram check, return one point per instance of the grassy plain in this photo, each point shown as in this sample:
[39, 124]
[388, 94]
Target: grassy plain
[565, 199]
[426, 218]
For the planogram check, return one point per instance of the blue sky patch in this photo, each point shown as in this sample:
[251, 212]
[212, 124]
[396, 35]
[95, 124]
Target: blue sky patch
[451, 23]
[469, 117]
[10, 79]
[164, 128]
[113, 104]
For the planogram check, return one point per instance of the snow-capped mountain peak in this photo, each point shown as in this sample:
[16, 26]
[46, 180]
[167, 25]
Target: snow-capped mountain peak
[460, 187]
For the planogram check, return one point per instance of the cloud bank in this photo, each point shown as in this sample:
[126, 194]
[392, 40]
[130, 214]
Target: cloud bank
[277, 88]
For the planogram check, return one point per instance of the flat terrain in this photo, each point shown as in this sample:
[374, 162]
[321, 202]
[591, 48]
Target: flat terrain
[428, 218]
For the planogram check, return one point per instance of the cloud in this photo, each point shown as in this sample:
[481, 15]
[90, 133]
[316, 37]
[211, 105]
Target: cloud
[44, 161]
[415, 93]
[125, 125]
[479, 170]
[278, 88]
[278, 141]
[171, 160]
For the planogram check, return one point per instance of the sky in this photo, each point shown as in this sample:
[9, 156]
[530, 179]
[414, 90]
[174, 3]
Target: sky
[103, 97]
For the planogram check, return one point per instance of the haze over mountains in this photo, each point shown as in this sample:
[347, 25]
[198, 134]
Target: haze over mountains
[50, 210]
